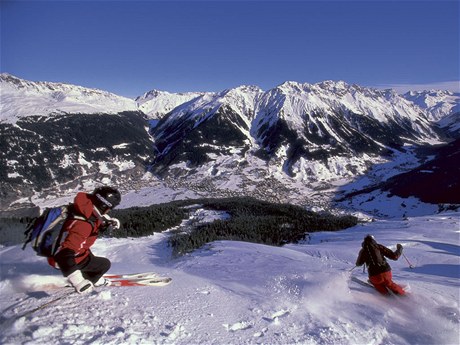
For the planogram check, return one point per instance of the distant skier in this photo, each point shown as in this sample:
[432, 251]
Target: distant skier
[373, 255]
[73, 256]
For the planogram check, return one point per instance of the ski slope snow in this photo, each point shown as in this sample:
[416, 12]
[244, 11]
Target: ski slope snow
[245, 293]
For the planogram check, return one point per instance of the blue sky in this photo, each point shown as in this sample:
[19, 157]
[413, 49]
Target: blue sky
[130, 47]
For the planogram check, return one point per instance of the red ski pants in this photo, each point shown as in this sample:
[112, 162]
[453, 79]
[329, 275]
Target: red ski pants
[383, 282]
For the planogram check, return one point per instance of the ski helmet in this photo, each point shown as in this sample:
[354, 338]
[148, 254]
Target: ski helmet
[369, 239]
[375, 257]
[106, 198]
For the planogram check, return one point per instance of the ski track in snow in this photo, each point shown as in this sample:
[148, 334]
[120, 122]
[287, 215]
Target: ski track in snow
[246, 293]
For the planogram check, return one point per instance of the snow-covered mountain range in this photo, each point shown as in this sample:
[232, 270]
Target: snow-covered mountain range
[22, 98]
[296, 138]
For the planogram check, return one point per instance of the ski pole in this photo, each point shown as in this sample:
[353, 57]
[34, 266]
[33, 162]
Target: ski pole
[410, 265]
[44, 305]
[352, 269]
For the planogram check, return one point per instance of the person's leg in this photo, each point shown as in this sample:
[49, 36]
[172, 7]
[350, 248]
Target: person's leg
[390, 284]
[95, 268]
[379, 284]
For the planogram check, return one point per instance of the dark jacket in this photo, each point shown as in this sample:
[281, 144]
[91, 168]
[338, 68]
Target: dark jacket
[374, 268]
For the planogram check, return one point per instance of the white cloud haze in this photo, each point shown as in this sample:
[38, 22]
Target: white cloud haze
[453, 86]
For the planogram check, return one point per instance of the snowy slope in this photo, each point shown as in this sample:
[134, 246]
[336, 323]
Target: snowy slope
[20, 98]
[244, 293]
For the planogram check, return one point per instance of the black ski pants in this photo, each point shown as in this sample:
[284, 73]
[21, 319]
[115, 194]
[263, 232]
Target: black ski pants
[92, 268]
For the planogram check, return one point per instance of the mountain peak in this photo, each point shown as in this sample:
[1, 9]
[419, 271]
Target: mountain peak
[243, 88]
[333, 85]
[26, 98]
[338, 87]
[294, 85]
[156, 103]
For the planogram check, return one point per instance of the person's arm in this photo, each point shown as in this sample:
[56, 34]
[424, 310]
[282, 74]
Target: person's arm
[361, 258]
[393, 255]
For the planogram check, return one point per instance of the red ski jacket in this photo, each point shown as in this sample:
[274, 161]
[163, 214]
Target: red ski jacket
[79, 235]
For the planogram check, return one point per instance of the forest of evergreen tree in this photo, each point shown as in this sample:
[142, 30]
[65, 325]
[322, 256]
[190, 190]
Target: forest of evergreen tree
[248, 220]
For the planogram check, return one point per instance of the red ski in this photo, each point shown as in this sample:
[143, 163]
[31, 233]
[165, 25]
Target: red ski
[138, 279]
[144, 275]
[154, 281]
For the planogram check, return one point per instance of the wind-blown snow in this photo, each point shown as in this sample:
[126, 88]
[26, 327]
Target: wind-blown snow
[245, 293]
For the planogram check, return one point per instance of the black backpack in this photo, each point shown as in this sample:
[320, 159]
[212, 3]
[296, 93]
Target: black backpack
[375, 256]
[43, 232]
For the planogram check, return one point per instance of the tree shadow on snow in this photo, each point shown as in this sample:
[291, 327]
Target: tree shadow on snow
[442, 270]
[442, 248]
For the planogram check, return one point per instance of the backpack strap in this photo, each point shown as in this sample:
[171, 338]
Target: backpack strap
[72, 214]
[77, 217]
[376, 258]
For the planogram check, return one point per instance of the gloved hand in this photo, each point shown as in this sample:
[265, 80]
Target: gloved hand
[114, 222]
[399, 247]
[80, 284]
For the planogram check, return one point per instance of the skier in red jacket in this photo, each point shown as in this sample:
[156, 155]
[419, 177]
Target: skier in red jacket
[73, 257]
[373, 255]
